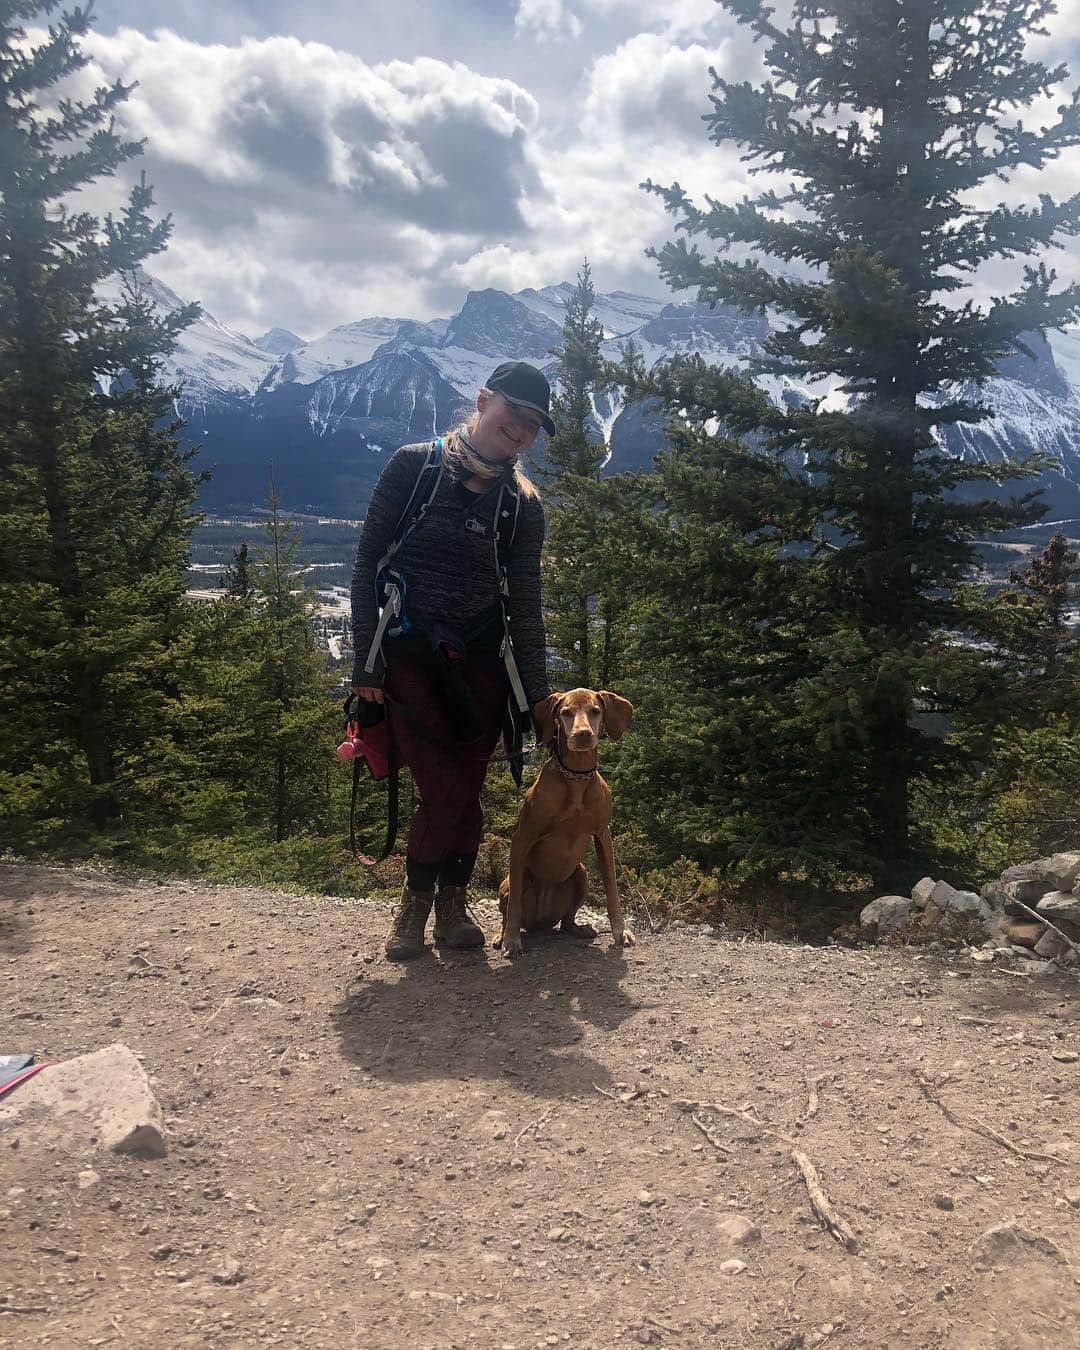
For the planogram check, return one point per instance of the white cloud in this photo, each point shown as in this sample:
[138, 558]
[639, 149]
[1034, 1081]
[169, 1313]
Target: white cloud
[648, 88]
[548, 20]
[313, 175]
[311, 187]
[673, 18]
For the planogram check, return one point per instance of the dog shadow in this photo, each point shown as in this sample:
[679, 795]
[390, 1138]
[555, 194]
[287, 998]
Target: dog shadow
[476, 1015]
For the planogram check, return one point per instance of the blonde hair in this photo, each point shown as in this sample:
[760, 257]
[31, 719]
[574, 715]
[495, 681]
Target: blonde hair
[461, 453]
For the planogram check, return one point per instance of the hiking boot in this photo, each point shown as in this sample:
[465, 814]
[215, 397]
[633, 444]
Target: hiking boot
[407, 934]
[453, 926]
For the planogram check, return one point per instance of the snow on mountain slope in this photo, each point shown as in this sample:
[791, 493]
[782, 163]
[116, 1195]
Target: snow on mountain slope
[1066, 350]
[278, 341]
[211, 359]
[349, 345]
[366, 387]
[619, 311]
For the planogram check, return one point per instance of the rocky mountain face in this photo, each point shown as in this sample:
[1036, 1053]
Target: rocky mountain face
[327, 413]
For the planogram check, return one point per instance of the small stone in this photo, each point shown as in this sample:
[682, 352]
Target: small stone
[71, 1257]
[732, 1267]
[945, 1202]
[645, 1199]
[1065, 1056]
[556, 1234]
[739, 1230]
[1005, 1244]
[229, 1272]
[1072, 1199]
[161, 1253]
[87, 1179]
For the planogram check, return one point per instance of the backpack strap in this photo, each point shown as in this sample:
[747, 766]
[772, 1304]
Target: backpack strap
[421, 497]
[390, 584]
[504, 539]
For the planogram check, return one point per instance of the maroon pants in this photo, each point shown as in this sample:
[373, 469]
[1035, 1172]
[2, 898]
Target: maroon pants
[449, 818]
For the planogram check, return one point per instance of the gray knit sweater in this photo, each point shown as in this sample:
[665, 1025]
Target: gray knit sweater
[450, 569]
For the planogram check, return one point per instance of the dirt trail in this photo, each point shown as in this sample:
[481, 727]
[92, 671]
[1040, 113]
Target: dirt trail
[461, 1152]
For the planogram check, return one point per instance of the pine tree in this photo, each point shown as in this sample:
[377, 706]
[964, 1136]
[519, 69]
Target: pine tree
[882, 116]
[95, 495]
[237, 578]
[291, 688]
[255, 715]
[1023, 803]
[573, 460]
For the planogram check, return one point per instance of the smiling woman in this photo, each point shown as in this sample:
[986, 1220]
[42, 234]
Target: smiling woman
[446, 624]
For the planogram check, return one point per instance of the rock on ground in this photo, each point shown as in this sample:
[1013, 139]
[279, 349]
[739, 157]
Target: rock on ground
[885, 915]
[103, 1098]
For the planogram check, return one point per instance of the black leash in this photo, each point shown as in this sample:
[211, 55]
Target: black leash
[515, 757]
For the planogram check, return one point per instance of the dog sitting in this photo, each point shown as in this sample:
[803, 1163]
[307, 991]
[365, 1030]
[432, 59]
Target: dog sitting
[567, 805]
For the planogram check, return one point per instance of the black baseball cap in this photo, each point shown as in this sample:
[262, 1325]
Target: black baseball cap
[525, 387]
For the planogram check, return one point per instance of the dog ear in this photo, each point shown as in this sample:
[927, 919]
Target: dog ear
[617, 713]
[544, 717]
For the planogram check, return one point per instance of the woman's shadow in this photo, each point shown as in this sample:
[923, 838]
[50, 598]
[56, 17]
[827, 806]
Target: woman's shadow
[469, 1015]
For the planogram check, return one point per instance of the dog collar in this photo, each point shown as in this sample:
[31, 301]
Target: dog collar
[575, 775]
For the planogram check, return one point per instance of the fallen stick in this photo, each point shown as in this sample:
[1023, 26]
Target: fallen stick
[819, 1203]
[709, 1135]
[812, 1095]
[745, 1113]
[1052, 926]
[534, 1125]
[980, 1127]
[605, 1093]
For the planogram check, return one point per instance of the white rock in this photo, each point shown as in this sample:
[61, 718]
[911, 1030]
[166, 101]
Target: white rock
[732, 1267]
[1050, 946]
[1063, 870]
[951, 901]
[884, 915]
[104, 1096]
[922, 891]
[1057, 906]
[1028, 882]
[994, 895]
[739, 1230]
[1032, 966]
[1006, 1243]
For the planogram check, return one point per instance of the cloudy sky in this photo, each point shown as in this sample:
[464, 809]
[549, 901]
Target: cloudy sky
[325, 162]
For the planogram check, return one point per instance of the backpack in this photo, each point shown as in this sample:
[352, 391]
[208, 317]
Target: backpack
[390, 582]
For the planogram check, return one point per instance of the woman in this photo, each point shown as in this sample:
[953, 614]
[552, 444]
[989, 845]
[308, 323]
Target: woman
[440, 663]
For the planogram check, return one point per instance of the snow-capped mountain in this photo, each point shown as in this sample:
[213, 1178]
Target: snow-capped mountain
[278, 341]
[212, 361]
[327, 413]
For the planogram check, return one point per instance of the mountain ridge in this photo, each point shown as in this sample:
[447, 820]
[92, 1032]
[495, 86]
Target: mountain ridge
[327, 413]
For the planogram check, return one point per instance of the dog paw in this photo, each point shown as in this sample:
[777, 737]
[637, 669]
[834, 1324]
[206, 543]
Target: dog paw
[512, 948]
[585, 931]
[624, 939]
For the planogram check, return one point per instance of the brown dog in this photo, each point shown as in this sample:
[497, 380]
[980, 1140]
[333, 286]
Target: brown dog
[567, 805]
